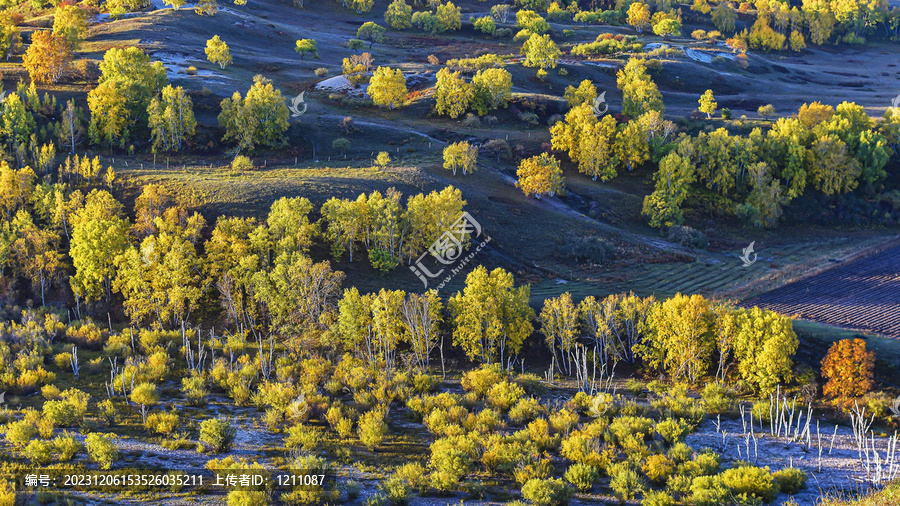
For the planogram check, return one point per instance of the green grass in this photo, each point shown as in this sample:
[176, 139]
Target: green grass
[886, 349]
[888, 496]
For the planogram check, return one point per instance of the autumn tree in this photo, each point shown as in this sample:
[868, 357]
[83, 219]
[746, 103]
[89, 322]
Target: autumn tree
[16, 189]
[259, 118]
[560, 326]
[10, 34]
[36, 253]
[448, 17]
[724, 16]
[48, 57]
[491, 318]
[356, 68]
[99, 235]
[109, 115]
[70, 21]
[16, 124]
[849, 370]
[638, 16]
[766, 111]
[639, 92]
[681, 339]
[217, 52]
[298, 294]
[70, 128]
[833, 168]
[372, 32]
[585, 92]
[452, 93]
[493, 90]
[160, 279]
[420, 316]
[387, 87]
[673, 182]
[763, 344]
[171, 119]
[398, 15]
[540, 51]
[667, 27]
[707, 103]
[304, 46]
[461, 155]
[540, 175]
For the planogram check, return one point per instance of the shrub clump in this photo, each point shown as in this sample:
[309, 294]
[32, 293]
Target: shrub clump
[218, 434]
[549, 492]
[687, 237]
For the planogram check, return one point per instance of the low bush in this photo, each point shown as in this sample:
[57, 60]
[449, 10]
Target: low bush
[750, 482]
[548, 492]
[790, 480]
[217, 434]
[582, 476]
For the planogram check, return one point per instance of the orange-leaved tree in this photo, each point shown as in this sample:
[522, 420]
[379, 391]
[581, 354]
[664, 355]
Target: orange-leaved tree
[848, 369]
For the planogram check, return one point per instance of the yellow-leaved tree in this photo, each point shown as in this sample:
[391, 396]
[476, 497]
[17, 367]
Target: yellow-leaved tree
[540, 175]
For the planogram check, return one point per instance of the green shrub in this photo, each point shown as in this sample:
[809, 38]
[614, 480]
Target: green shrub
[678, 485]
[107, 411]
[482, 379]
[634, 387]
[549, 492]
[505, 395]
[708, 462]
[582, 476]
[672, 430]
[372, 428]
[681, 452]
[790, 480]
[717, 399]
[69, 410]
[413, 474]
[162, 423]
[305, 437]
[625, 426]
[66, 446]
[526, 410]
[19, 433]
[750, 481]
[218, 434]
[395, 490]
[194, 389]
[103, 449]
[657, 498]
[625, 482]
[658, 468]
[708, 491]
[241, 163]
[563, 421]
[39, 451]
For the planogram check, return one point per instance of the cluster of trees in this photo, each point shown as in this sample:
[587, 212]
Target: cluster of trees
[489, 89]
[829, 149]
[685, 336]
[134, 99]
[440, 18]
[266, 284]
[386, 230]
